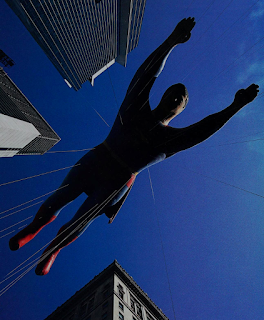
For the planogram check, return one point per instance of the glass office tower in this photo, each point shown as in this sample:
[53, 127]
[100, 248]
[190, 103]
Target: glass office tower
[82, 38]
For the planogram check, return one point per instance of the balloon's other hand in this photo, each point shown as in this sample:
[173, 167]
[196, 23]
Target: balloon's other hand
[182, 32]
[245, 96]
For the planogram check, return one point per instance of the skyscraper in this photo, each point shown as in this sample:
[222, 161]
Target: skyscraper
[22, 129]
[82, 38]
[112, 295]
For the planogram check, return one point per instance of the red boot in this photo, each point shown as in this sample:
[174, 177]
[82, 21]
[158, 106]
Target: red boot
[47, 259]
[44, 265]
[41, 219]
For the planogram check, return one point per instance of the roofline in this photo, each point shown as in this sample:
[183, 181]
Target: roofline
[135, 288]
[30, 104]
[115, 268]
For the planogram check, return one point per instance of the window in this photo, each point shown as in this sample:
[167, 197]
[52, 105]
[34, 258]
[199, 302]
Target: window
[104, 316]
[121, 317]
[71, 316]
[136, 307]
[149, 317]
[90, 303]
[104, 306]
[106, 286]
[120, 291]
[139, 311]
[106, 290]
[83, 308]
[132, 303]
[121, 306]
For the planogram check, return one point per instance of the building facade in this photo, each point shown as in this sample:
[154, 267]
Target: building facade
[22, 129]
[82, 38]
[112, 295]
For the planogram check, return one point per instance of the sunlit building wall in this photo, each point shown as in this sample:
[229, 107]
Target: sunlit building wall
[22, 129]
[112, 295]
[82, 38]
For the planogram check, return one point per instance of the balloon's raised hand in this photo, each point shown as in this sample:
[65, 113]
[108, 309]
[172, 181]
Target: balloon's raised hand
[182, 32]
[245, 96]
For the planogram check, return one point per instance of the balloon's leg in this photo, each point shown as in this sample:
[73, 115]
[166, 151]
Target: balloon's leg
[42, 218]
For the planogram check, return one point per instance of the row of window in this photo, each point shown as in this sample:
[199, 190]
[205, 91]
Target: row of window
[121, 293]
[106, 292]
[104, 308]
[134, 304]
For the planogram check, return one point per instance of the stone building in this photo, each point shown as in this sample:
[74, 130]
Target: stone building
[112, 295]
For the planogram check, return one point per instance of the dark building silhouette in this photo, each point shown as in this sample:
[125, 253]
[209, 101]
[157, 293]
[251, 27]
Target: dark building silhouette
[5, 60]
[22, 129]
[82, 38]
[112, 295]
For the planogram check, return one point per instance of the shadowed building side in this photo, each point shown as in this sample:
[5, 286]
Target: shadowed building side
[22, 129]
[83, 38]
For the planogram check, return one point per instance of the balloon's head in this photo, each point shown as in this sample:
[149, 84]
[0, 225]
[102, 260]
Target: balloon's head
[172, 103]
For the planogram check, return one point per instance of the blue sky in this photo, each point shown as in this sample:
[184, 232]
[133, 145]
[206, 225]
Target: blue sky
[212, 233]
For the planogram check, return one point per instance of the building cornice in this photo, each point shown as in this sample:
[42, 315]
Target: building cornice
[139, 293]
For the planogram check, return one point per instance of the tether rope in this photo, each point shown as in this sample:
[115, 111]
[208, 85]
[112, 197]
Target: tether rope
[38, 175]
[162, 246]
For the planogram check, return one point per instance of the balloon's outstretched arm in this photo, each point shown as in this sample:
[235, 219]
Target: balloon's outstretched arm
[185, 138]
[142, 82]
